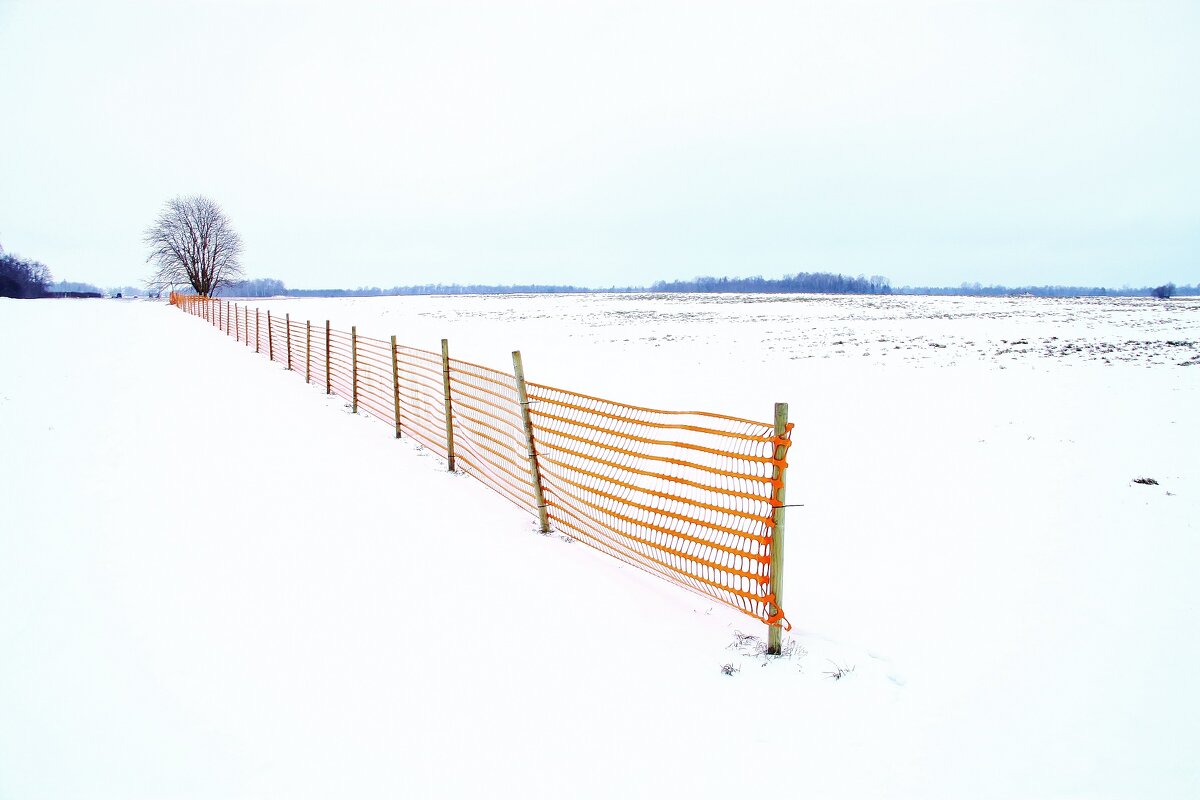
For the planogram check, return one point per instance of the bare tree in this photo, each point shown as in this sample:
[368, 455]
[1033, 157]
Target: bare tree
[192, 243]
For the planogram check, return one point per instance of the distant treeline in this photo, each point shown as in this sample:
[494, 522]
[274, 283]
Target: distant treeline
[798, 283]
[74, 289]
[975, 289]
[21, 277]
[450, 288]
[270, 287]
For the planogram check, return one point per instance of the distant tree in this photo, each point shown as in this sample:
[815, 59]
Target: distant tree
[193, 244]
[1164, 291]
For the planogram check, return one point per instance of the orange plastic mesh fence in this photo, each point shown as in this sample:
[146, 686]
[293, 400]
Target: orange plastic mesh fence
[687, 496]
[376, 390]
[297, 344]
[422, 400]
[341, 367]
[489, 437]
[278, 336]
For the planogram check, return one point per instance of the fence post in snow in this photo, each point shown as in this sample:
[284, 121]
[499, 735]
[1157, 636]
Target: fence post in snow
[396, 386]
[257, 331]
[449, 407]
[328, 386]
[779, 473]
[535, 473]
[270, 338]
[353, 369]
[395, 382]
[287, 321]
[308, 351]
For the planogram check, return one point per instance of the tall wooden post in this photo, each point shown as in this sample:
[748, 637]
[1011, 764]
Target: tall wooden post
[287, 321]
[308, 351]
[246, 334]
[396, 385]
[353, 369]
[227, 306]
[270, 338]
[535, 473]
[257, 331]
[237, 325]
[779, 473]
[328, 385]
[449, 408]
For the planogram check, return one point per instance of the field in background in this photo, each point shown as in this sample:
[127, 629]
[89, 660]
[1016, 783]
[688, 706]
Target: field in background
[673, 345]
[970, 539]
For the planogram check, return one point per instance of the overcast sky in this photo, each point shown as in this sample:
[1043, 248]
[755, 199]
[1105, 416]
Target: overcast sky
[601, 143]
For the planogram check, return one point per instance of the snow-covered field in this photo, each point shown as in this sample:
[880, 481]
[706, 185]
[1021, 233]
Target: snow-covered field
[215, 582]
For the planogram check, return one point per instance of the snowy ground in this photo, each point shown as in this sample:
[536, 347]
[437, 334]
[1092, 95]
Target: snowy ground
[215, 582]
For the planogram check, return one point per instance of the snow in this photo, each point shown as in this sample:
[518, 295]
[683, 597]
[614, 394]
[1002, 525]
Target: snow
[217, 582]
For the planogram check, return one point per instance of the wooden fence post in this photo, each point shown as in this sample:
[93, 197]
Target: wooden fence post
[237, 325]
[227, 304]
[328, 386]
[353, 369]
[449, 408]
[287, 321]
[779, 474]
[535, 473]
[396, 385]
[270, 338]
[257, 331]
[246, 333]
[308, 351]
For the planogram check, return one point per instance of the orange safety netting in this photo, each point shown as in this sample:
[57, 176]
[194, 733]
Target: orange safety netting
[489, 438]
[688, 496]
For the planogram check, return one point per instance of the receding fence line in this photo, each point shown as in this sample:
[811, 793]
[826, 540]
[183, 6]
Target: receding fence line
[695, 498]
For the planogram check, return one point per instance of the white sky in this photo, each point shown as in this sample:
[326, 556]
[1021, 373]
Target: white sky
[597, 143]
